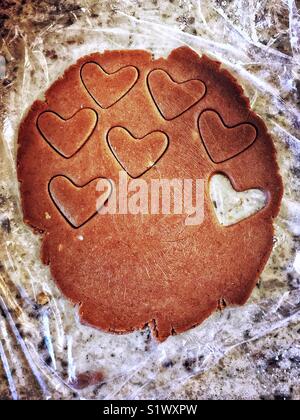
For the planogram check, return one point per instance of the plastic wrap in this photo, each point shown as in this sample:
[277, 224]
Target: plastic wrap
[45, 351]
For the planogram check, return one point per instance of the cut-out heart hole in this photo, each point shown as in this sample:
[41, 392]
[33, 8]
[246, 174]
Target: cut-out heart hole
[108, 88]
[171, 98]
[67, 137]
[78, 204]
[231, 206]
[137, 156]
[221, 141]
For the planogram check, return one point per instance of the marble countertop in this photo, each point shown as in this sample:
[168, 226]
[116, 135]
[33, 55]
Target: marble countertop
[262, 365]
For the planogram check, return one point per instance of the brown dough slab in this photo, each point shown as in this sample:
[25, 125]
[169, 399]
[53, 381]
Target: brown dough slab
[182, 117]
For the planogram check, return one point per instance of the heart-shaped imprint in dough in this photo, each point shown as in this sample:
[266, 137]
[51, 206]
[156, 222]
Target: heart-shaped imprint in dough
[67, 137]
[108, 88]
[232, 206]
[78, 204]
[221, 141]
[137, 156]
[173, 98]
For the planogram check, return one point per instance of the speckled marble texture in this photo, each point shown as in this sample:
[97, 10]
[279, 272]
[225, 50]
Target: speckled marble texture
[247, 353]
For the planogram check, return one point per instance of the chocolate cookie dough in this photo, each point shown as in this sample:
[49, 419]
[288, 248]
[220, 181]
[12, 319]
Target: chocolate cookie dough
[183, 117]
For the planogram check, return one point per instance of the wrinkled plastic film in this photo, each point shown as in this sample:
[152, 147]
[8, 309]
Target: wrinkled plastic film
[44, 350]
